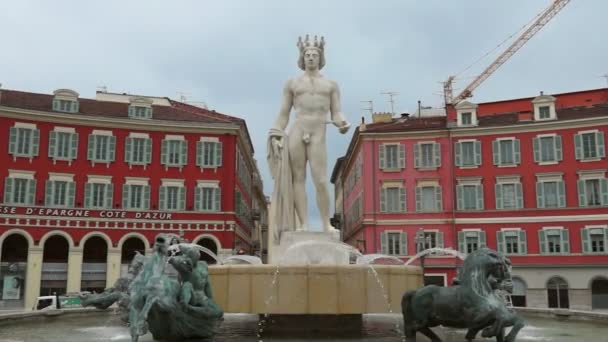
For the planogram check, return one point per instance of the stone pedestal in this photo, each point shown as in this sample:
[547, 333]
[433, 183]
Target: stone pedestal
[314, 248]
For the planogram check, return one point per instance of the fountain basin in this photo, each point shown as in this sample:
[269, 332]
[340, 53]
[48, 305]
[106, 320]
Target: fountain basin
[312, 289]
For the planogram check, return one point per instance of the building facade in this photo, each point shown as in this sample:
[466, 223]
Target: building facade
[526, 177]
[86, 183]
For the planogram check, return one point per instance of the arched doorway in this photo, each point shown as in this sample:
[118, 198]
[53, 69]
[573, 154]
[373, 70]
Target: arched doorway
[518, 297]
[599, 293]
[129, 248]
[13, 270]
[557, 293]
[54, 266]
[210, 244]
[94, 265]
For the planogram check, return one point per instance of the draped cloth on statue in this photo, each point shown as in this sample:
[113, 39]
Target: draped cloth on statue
[282, 210]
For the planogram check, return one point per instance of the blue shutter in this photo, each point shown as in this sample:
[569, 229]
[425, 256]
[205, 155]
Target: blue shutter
[477, 152]
[458, 153]
[162, 201]
[109, 195]
[382, 200]
[183, 154]
[52, 144]
[418, 198]
[403, 243]
[126, 196]
[128, 148]
[384, 243]
[601, 147]
[578, 146]
[401, 156]
[516, 151]
[48, 192]
[582, 196]
[217, 199]
[498, 195]
[558, 147]
[542, 238]
[71, 194]
[402, 200]
[479, 197]
[438, 199]
[148, 156]
[519, 195]
[585, 238]
[91, 147]
[199, 153]
[461, 245]
[163, 152]
[381, 156]
[88, 193]
[218, 154]
[12, 144]
[496, 152]
[111, 148]
[437, 154]
[565, 241]
[459, 197]
[540, 195]
[500, 242]
[74, 146]
[604, 190]
[561, 190]
[182, 198]
[536, 145]
[523, 245]
[31, 192]
[8, 190]
[146, 195]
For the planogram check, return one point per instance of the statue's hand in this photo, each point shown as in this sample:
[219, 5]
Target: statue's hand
[343, 126]
[277, 146]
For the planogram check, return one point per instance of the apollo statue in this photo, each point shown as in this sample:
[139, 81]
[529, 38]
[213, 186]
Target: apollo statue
[312, 96]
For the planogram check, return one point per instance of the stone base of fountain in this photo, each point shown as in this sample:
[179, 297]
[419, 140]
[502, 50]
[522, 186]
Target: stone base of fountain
[312, 325]
[291, 238]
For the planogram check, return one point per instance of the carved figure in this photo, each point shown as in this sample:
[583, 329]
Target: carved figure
[473, 304]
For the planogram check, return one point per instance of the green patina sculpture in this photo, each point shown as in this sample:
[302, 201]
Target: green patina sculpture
[472, 304]
[173, 309]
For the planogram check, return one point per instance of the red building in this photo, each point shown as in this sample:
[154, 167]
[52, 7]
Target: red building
[525, 176]
[87, 182]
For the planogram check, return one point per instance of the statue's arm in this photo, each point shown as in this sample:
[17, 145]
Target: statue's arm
[286, 104]
[337, 117]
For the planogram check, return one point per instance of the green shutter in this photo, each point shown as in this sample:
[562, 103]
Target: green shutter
[604, 190]
[418, 198]
[74, 145]
[565, 241]
[183, 153]
[561, 190]
[88, 193]
[31, 192]
[558, 147]
[182, 198]
[586, 239]
[540, 195]
[401, 156]
[218, 154]
[601, 147]
[536, 145]
[128, 148]
[542, 238]
[52, 144]
[523, 245]
[402, 200]
[403, 243]
[459, 197]
[163, 152]
[12, 145]
[109, 195]
[35, 142]
[438, 199]
[479, 197]
[477, 146]
[458, 154]
[75, 106]
[482, 239]
[71, 194]
[217, 199]
[162, 200]
[146, 194]
[496, 152]
[148, 156]
[56, 106]
[516, 151]
[582, 196]
[498, 195]
[199, 153]
[382, 200]
[578, 146]
[384, 243]
[126, 196]
[131, 111]
[519, 195]
[440, 239]
[111, 148]
[91, 147]
[461, 245]
[198, 198]
[417, 155]
[500, 242]
[437, 154]
[48, 192]
[381, 156]
[8, 190]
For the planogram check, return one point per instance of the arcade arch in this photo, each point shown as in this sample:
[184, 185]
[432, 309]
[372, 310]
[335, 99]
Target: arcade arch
[210, 242]
[599, 293]
[13, 268]
[94, 263]
[56, 248]
[558, 293]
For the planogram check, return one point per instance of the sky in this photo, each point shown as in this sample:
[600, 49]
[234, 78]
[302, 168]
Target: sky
[235, 55]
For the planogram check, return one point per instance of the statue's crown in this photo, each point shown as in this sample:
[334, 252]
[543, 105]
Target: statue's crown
[308, 43]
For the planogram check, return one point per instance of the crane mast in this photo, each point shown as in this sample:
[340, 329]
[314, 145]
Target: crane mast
[543, 19]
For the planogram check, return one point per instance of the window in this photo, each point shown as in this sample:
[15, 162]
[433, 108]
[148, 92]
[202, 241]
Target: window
[468, 153]
[431, 240]
[509, 195]
[140, 112]
[427, 155]
[466, 114]
[554, 241]
[66, 106]
[428, 198]
[60, 193]
[63, 145]
[544, 112]
[392, 199]
[548, 149]
[98, 195]
[471, 240]
[550, 194]
[393, 243]
[595, 239]
[209, 154]
[24, 142]
[208, 198]
[589, 145]
[138, 150]
[101, 148]
[511, 241]
[19, 190]
[391, 156]
[172, 197]
[557, 293]
[506, 152]
[470, 197]
[174, 152]
[592, 192]
[136, 196]
[466, 118]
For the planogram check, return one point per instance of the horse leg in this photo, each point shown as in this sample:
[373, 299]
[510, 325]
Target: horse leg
[426, 331]
[471, 333]
[410, 334]
[518, 324]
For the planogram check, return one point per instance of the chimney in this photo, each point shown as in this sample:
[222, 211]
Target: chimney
[542, 93]
[362, 125]
[382, 117]
[405, 115]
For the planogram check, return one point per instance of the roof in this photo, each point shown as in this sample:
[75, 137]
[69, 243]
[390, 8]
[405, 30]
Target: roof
[337, 166]
[410, 123]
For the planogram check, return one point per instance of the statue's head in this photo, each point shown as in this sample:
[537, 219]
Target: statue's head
[312, 53]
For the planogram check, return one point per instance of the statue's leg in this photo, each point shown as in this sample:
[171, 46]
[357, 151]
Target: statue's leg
[297, 160]
[471, 334]
[426, 331]
[317, 152]
[186, 292]
[518, 324]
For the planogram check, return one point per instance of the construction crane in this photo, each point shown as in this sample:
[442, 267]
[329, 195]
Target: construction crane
[542, 19]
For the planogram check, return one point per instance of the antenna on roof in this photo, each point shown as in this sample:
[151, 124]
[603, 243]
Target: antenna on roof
[102, 88]
[604, 76]
[391, 99]
[370, 109]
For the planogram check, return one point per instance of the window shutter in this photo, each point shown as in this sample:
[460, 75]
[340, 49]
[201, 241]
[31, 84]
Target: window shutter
[162, 201]
[585, 238]
[183, 154]
[458, 153]
[381, 156]
[52, 144]
[91, 147]
[478, 153]
[48, 192]
[12, 145]
[71, 194]
[418, 198]
[111, 148]
[126, 196]
[109, 195]
[182, 198]
[558, 147]
[519, 195]
[459, 197]
[199, 153]
[536, 146]
[461, 245]
[565, 241]
[582, 196]
[482, 239]
[163, 152]
[437, 154]
[402, 243]
[516, 151]
[218, 154]
[128, 147]
[402, 200]
[599, 143]
[500, 242]
[31, 191]
[561, 188]
[88, 192]
[417, 156]
[523, 246]
[498, 195]
[146, 191]
[382, 200]
[384, 243]
[34, 142]
[217, 199]
[75, 107]
[401, 156]
[56, 105]
[198, 195]
[496, 152]
[578, 146]
[74, 146]
[542, 238]
[540, 196]
[440, 239]
[604, 190]
[8, 190]
[479, 197]
[148, 157]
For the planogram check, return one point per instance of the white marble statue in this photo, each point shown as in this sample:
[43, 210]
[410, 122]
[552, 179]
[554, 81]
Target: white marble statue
[312, 97]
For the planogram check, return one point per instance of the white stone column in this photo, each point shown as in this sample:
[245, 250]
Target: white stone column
[113, 266]
[74, 269]
[33, 276]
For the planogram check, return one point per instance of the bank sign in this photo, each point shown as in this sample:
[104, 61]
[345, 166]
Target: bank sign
[105, 214]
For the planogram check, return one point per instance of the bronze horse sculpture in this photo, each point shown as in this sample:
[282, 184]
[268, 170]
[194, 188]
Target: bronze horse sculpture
[473, 304]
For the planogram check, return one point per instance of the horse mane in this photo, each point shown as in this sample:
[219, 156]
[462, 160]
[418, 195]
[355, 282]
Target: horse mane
[475, 275]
